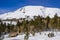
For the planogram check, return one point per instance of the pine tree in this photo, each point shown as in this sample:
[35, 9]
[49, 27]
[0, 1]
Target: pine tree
[27, 29]
[8, 27]
[47, 22]
[58, 25]
[55, 21]
[18, 23]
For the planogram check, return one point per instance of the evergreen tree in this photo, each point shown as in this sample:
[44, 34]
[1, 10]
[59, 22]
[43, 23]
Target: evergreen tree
[26, 29]
[39, 24]
[47, 22]
[18, 23]
[55, 21]
[58, 25]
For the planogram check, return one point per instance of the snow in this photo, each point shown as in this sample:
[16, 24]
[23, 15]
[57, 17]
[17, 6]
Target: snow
[38, 36]
[31, 11]
[9, 22]
[19, 37]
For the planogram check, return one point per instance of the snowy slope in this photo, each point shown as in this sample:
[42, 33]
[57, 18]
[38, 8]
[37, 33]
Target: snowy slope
[38, 36]
[31, 11]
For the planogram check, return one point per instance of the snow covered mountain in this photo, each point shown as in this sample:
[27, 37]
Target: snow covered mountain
[31, 11]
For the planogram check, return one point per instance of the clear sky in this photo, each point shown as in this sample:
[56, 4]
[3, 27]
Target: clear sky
[11, 5]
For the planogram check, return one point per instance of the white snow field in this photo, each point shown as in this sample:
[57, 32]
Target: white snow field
[31, 11]
[38, 36]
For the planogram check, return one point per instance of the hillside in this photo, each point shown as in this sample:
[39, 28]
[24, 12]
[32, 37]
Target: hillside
[31, 11]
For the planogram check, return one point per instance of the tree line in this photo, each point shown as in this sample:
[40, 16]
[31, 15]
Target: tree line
[37, 24]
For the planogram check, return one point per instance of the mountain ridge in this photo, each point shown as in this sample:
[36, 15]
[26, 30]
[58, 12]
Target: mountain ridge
[31, 11]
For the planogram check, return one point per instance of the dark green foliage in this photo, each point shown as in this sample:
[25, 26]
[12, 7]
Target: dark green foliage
[10, 27]
[51, 35]
[18, 23]
[39, 24]
[2, 27]
[47, 23]
[55, 21]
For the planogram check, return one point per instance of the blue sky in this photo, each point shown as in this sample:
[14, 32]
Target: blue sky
[11, 5]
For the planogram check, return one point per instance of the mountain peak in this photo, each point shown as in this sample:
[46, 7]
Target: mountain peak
[31, 11]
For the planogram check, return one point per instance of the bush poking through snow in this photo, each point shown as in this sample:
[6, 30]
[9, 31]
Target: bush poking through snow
[26, 36]
[33, 33]
[51, 35]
